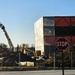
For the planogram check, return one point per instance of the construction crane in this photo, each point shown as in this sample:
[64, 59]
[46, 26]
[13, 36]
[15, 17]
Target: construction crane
[7, 36]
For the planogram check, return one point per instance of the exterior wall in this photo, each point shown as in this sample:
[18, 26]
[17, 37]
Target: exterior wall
[49, 29]
[39, 42]
[65, 26]
[49, 35]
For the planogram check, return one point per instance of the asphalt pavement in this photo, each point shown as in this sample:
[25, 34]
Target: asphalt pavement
[40, 72]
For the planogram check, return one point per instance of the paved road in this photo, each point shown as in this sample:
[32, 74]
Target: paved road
[42, 72]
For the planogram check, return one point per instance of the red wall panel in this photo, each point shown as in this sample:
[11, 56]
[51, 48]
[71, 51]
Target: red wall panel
[62, 21]
[73, 39]
[49, 40]
[73, 21]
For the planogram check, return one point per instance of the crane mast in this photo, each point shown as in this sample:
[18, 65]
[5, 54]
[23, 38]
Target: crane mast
[7, 36]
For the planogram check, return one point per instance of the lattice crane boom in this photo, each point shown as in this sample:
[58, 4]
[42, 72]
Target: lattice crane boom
[7, 36]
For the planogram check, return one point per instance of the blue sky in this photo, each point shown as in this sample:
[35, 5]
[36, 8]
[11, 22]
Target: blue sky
[19, 16]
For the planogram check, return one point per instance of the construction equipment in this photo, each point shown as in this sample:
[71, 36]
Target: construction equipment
[30, 51]
[35, 53]
[7, 36]
[38, 53]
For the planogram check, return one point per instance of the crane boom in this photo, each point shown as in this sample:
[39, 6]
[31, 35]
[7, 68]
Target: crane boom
[7, 36]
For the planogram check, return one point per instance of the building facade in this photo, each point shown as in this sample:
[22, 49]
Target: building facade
[49, 29]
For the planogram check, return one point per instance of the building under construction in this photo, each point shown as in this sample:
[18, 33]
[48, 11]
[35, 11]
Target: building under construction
[49, 28]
